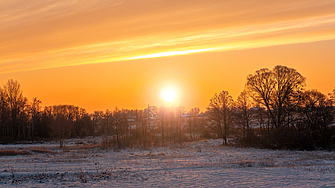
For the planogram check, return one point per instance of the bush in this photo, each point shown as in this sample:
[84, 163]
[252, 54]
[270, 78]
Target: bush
[251, 140]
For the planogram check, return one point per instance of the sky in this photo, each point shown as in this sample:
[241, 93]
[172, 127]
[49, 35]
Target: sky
[106, 53]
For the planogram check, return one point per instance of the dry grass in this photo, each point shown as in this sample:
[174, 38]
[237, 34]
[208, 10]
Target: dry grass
[77, 147]
[13, 152]
[246, 163]
[42, 151]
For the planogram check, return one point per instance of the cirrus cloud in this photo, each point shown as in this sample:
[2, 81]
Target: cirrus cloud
[45, 34]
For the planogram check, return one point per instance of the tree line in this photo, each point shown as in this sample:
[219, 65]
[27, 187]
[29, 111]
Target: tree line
[273, 111]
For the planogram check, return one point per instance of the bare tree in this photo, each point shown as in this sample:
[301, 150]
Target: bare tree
[162, 114]
[179, 121]
[318, 112]
[332, 96]
[4, 114]
[35, 110]
[97, 119]
[244, 114]
[192, 122]
[61, 124]
[275, 90]
[221, 108]
[13, 94]
[117, 123]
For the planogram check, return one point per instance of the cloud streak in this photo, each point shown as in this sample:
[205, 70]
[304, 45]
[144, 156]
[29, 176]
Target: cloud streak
[47, 34]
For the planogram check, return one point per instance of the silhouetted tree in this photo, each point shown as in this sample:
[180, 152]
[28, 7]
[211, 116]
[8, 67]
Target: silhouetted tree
[162, 114]
[275, 90]
[17, 109]
[221, 108]
[332, 96]
[82, 123]
[117, 125]
[192, 122]
[244, 112]
[35, 111]
[97, 119]
[318, 116]
[179, 121]
[62, 118]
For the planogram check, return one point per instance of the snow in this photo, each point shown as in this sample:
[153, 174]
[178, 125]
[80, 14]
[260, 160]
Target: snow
[195, 164]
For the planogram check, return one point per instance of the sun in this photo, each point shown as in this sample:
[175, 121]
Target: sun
[168, 95]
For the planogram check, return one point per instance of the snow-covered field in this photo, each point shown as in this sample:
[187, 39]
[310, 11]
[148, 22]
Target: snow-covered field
[196, 164]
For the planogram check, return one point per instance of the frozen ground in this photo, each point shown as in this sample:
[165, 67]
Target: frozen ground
[196, 164]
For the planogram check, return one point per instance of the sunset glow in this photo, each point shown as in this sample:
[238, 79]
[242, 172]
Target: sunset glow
[150, 93]
[100, 54]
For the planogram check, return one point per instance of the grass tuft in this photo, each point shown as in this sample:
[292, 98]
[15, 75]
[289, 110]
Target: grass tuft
[42, 151]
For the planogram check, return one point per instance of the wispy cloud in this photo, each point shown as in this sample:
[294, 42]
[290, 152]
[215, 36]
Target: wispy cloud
[45, 34]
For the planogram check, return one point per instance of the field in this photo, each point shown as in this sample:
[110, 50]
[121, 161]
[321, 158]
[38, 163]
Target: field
[197, 164]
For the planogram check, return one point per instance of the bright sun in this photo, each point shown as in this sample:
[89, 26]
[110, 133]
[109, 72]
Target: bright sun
[169, 95]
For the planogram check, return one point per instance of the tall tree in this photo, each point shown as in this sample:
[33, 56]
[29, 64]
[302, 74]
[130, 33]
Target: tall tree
[221, 108]
[179, 121]
[35, 110]
[318, 112]
[194, 112]
[332, 96]
[276, 90]
[162, 116]
[4, 124]
[244, 115]
[62, 122]
[117, 125]
[15, 100]
[97, 119]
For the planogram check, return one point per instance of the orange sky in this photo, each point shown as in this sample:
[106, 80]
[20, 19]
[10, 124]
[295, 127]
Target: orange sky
[103, 53]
